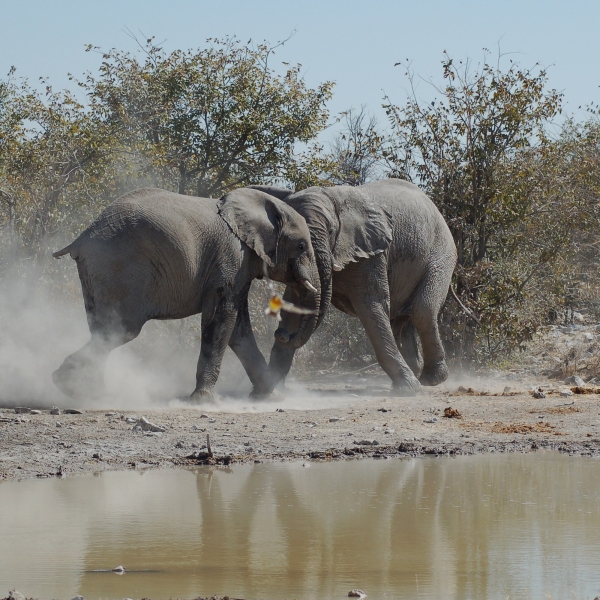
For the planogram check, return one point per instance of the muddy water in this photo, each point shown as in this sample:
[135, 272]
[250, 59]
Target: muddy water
[489, 526]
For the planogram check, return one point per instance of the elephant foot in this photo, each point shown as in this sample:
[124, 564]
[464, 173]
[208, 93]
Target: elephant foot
[406, 389]
[202, 397]
[77, 383]
[434, 374]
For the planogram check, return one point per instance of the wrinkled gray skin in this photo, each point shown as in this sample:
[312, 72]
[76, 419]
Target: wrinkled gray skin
[153, 254]
[385, 255]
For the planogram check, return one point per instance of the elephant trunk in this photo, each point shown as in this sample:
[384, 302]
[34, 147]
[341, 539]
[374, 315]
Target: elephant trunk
[295, 330]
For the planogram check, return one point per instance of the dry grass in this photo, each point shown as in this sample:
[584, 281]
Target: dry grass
[523, 428]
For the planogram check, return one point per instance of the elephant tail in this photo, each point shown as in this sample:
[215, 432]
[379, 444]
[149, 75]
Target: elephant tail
[70, 249]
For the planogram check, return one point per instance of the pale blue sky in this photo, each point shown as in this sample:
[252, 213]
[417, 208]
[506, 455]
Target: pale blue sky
[353, 42]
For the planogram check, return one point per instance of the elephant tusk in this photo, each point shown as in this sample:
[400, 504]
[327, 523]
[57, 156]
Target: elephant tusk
[336, 267]
[309, 286]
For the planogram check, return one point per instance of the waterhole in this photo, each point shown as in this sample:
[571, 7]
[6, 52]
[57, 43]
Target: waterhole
[489, 526]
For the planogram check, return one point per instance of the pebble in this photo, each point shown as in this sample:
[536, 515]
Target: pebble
[280, 410]
[109, 414]
[73, 411]
[77, 598]
[588, 336]
[356, 594]
[204, 416]
[389, 431]
[538, 394]
[58, 424]
[566, 393]
[367, 443]
[36, 412]
[22, 410]
[212, 420]
[119, 569]
[14, 595]
[574, 380]
[336, 419]
[55, 410]
[147, 426]
[430, 420]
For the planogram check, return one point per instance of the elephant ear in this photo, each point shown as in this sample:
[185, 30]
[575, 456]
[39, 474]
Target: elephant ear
[278, 192]
[256, 218]
[365, 229]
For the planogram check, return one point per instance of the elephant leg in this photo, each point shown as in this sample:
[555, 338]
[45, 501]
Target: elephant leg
[82, 373]
[243, 343]
[408, 343]
[425, 311]
[216, 334]
[280, 362]
[375, 319]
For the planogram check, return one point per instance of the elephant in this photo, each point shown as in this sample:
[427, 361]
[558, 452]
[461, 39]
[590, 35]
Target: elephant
[154, 254]
[384, 254]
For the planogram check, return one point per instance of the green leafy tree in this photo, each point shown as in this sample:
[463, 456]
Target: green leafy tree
[206, 121]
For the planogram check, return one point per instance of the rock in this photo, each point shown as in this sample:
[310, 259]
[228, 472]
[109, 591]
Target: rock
[538, 394]
[130, 420]
[119, 569]
[204, 416]
[55, 410]
[367, 443]
[588, 336]
[14, 595]
[212, 420]
[336, 419]
[507, 389]
[58, 424]
[574, 380]
[356, 594]
[110, 414]
[180, 444]
[36, 412]
[72, 411]
[389, 431]
[384, 410]
[78, 598]
[565, 393]
[22, 410]
[279, 410]
[146, 425]
[577, 317]
[430, 420]
[452, 413]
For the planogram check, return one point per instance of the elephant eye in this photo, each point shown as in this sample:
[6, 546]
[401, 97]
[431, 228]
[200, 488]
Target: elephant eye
[302, 246]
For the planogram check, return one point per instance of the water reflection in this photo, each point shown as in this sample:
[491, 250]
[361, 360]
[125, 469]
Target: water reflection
[515, 526]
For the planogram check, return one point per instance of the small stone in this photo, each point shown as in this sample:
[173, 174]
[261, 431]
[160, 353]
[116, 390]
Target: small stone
[194, 445]
[180, 444]
[264, 426]
[73, 411]
[538, 394]
[279, 410]
[367, 443]
[430, 420]
[119, 569]
[97, 455]
[588, 336]
[36, 412]
[22, 410]
[356, 594]
[110, 414]
[574, 380]
[146, 425]
[507, 389]
[212, 420]
[336, 419]
[58, 424]
[384, 410]
[14, 595]
[577, 317]
[130, 420]
[389, 431]
[566, 393]
[204, 416]
[55, 410]
[77, 598]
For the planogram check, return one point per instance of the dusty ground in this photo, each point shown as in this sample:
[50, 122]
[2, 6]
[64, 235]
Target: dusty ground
[329, 418]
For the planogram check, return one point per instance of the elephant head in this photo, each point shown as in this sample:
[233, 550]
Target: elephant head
[344, 227]
[280, 237]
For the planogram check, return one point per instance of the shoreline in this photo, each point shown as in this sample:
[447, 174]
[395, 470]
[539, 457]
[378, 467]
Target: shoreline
[355, 420]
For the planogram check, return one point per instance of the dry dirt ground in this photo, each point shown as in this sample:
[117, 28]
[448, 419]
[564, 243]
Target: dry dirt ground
[337, 417]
